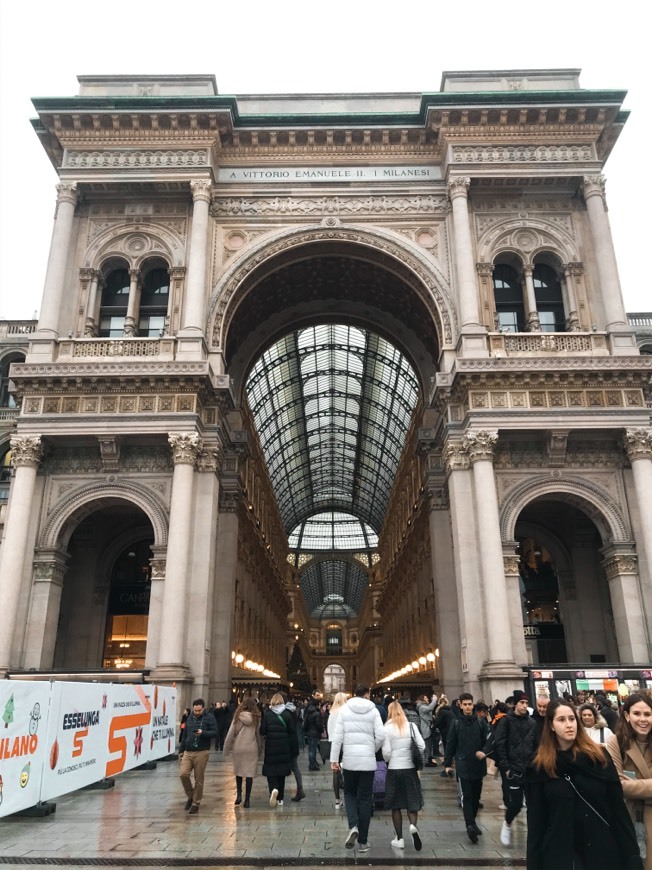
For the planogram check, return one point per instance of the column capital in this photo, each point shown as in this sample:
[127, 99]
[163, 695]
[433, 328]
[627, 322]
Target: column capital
[87, 274]
[202, 189]
[177, 272]
[511, 563]
[480, 444]
[616, 563]
[574, 269]
[438, 496]
[157, 568]
[455, 457]
[209, 458]
[134, 274]
[638, 443]
[459, 187]
[26, 451]
[484, 270]
[185, 447]
[594, 185]
[67, 192]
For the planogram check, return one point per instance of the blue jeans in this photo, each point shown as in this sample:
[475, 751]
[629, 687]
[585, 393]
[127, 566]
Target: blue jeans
[313, 743]
[358, 800]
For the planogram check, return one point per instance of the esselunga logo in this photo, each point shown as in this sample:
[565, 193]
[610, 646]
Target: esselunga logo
[78, 720]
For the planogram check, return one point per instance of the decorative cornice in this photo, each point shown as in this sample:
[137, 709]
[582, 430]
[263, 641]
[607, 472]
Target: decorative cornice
[339, 205]
[185, 447]
[26, 451]
[638, 443]
[511, 154]
[480, 444]
[134, 159]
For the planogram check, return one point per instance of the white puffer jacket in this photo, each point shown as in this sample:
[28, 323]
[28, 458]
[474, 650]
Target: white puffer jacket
[397, 747]
[359, 729]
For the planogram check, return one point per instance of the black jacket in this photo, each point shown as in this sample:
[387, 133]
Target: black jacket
[515, 743]
[443, 720]
[280, 733]
[466, 736]
[561, 825]
[313, 724]
[193, 742]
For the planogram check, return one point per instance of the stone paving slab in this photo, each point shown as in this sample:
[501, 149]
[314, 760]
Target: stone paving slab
[141, 823]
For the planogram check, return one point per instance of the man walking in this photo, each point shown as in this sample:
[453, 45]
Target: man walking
[516, 742]
[194, 748]
[425, 709]
[359, 732]
[313, 725]
[468, 741]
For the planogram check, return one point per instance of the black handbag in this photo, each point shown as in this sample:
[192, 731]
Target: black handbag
[417, 754]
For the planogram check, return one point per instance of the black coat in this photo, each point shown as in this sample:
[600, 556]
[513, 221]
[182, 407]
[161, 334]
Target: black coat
[313, 724]
[560, 823]
[515, 742]
[193, 742]
[466, 736]
[443, 720]
[281, 744]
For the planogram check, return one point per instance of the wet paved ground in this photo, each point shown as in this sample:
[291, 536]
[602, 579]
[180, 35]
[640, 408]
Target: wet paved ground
[141, 823]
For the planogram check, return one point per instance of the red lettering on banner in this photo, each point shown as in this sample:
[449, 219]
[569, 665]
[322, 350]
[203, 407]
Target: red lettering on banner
[24, 745]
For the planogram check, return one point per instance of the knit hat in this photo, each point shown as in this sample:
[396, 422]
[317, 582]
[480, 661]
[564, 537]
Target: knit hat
[518, 695]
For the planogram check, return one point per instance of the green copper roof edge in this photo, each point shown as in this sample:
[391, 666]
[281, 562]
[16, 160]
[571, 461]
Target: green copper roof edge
[428, 101]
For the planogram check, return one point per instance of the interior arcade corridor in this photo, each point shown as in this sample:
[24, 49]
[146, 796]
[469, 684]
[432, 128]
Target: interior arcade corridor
[327, 391]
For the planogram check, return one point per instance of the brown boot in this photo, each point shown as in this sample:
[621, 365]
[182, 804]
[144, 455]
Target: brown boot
[299, 796]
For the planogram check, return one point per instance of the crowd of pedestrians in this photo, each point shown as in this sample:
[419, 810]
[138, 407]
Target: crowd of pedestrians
[581, 767]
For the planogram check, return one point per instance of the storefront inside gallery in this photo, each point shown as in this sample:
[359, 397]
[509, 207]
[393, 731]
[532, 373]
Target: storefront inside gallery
[328, 390]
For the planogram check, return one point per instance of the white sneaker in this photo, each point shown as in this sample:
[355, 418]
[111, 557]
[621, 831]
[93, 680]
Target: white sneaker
[506, 834]
[398, 844]
[502, 807]
[350, 840]
[279, 803]
[338, 805]
[364, 847]
[273, 798]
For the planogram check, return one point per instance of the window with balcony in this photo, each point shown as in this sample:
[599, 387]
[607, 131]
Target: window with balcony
[550, 303]
[154, 303]
[508, 298]
[114, 304]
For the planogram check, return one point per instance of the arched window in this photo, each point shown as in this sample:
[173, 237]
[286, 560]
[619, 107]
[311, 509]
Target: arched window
[550, 303]
[333, 640]
[128, 610]
[508, 297]
[6, 399]
[154, 303]
[113, 307]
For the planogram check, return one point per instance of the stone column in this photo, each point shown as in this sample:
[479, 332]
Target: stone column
[48, 325]
[157, 576]
[26, 454]
[44, 603]
[225, 574]
[445, 591]
[533, 324]
[91, 325]
[638, 444]
[467, 285]
[570, 272]
[621, 567]
[194, 306]
[511, 563]
[500, 665]
[174, 612]
[133, 305]
[594, 196]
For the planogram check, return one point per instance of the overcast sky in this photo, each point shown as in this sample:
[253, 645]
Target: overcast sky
[305, 47]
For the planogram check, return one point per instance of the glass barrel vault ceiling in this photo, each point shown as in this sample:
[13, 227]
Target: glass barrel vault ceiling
[332, 405]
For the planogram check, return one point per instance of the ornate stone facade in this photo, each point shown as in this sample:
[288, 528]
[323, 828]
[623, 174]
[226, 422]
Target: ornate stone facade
[139, 435]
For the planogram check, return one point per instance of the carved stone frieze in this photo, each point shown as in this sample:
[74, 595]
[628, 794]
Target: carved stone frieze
[26, 451]
[359, 206]
[134, 159]
[480, 444]
[556, 446]
[209, 459]
[484, 154]
[110, 452]
[186, 447]
[638, 444]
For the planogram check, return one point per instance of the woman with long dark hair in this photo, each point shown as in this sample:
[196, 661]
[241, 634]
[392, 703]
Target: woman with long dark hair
[244, 742]
[577, 816]
[631, 751]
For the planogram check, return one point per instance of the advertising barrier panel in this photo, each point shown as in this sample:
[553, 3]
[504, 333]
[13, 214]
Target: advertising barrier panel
[23, 745]
[56, 737]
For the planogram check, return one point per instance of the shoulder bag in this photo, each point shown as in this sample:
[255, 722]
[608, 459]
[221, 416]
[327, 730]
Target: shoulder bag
[417, 754]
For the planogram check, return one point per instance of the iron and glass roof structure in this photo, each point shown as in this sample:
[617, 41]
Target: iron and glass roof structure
[332, 405]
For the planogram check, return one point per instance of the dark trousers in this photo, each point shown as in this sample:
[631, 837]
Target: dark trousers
[279, 783]
[313, 743]
[471, 792]
[358, 788]
[513, 788]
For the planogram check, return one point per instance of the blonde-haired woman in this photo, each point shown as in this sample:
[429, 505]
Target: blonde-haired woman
[403, 787]
[244, 743]
[339, 701]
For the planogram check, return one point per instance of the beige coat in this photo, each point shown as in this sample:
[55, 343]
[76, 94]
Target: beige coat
[639, 789]
[245, 744]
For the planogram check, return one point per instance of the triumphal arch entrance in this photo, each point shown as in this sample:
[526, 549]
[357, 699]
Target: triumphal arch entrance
[329, 389]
